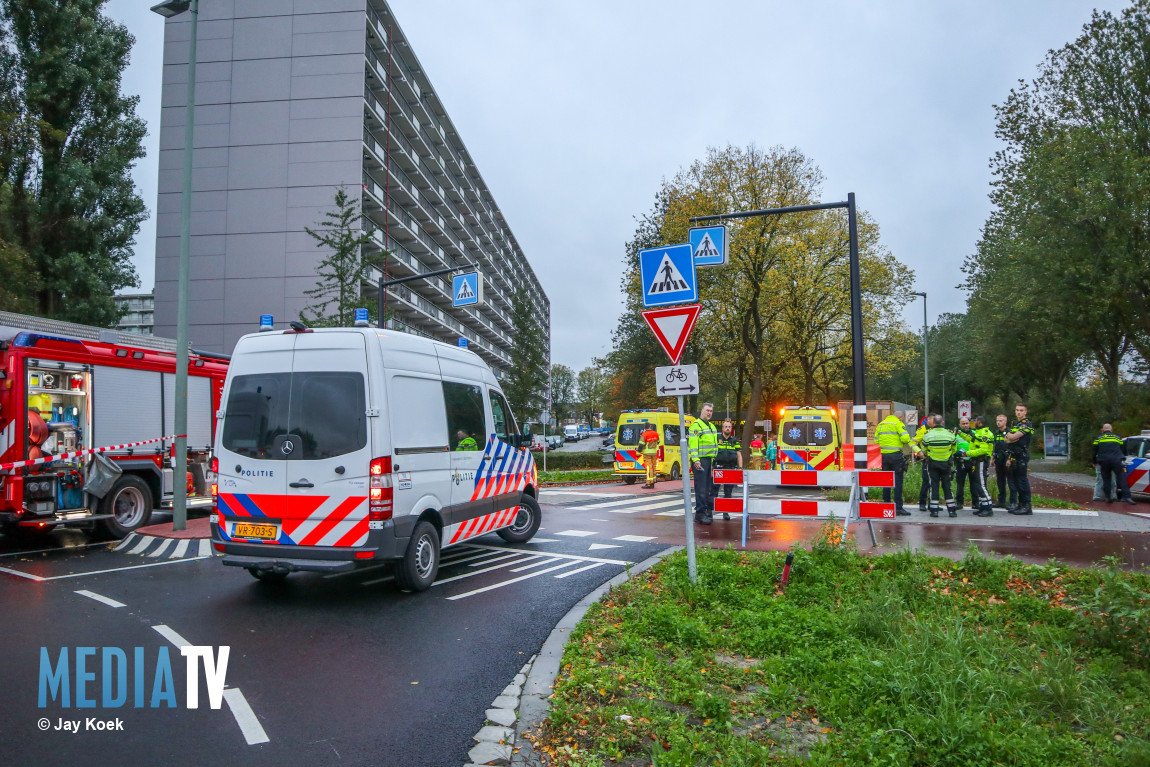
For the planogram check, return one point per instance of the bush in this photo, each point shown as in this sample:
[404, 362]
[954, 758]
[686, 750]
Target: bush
[566, 461]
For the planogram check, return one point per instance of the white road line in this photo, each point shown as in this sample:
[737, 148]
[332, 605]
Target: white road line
[620, 562]
[534, 565]
[171, 636]
[569, 573]
[647, 506]
[634, 538]
[162, 548]
[492, 561]
[597, 546]
[205, 547]
[461, 560]
[114, 569]
[1068, 512]
[19, 574]
[487, 570]
[100, 598]
[669, 514]
[544, 540]
[57, 548]
[126, 542]
[508, 583]
[145, 542]
[577, 533]
[583, 492]
[981, 540]
[246, 718]
[182, 547]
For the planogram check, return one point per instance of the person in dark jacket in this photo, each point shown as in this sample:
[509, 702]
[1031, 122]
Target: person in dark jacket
[730, 457]
[1110, 456]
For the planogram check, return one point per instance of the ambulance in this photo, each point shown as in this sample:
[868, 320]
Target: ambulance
[342, 447]
[628, 450]
[809, 439]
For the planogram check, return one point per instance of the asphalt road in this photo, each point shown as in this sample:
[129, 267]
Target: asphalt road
[335, 670]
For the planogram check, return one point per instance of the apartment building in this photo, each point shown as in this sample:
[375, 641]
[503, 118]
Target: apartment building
[138, 311]
[295, 98]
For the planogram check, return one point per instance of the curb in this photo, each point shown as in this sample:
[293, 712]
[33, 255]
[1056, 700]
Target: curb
[533, 701]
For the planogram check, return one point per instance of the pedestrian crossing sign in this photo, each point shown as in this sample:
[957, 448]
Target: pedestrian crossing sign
[667, 275]
[467, 289]
[709, 245]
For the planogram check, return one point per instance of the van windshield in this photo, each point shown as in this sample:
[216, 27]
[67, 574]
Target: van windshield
[629, 433]
[807, 433]
[326, 410]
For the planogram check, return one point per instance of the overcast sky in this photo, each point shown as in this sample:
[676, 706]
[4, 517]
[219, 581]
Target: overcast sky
[575, 111]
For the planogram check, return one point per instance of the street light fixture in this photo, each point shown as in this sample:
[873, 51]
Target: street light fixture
[925, 374]
[168, 9]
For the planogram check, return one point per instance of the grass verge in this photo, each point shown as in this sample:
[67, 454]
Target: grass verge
[582, 475]
[901, 659]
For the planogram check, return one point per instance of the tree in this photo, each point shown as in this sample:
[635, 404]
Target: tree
[20, 282]
[68, 140]
[591, 392]
[562, 390]
[343, 270]
[526, 381]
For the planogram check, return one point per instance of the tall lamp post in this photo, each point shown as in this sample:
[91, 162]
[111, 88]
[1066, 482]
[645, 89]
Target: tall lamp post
[925, 374]
[167, 9]
[943, 408]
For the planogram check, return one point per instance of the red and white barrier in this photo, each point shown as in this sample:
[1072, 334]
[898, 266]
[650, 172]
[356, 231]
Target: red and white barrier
[76, 453]
[855, 480]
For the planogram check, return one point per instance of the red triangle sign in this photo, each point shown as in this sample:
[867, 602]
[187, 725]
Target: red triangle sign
[672, 327]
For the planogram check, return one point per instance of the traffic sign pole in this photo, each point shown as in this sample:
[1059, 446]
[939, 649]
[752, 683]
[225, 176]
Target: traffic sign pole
[687, 516]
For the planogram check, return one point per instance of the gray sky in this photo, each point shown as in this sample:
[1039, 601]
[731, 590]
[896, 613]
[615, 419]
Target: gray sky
[574, 112]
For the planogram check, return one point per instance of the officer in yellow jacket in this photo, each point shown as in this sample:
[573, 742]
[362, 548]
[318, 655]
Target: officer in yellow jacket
[703, 446]
[940, 445]
[891, 435]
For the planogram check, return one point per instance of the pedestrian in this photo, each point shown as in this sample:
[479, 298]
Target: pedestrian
[730, 456]
[1017, 461]
[703, 446]
[890, 435]
[939, 444]
[465, 441]
[924, 491]
[1110, 456]
[649, 440]
[758, 453]
[999, 457]
[984, 438]
[773, 450]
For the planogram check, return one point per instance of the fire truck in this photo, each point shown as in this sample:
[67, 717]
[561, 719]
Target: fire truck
[87, 415]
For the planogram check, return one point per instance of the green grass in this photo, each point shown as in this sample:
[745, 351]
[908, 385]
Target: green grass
[901, 659]
[912, 483]
[583, 475]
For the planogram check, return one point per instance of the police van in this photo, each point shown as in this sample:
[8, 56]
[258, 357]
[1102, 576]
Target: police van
[341, 447]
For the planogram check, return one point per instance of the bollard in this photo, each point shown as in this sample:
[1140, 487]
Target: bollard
[787, 568]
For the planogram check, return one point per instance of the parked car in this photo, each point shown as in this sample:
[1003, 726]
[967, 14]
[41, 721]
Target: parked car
[554, 441]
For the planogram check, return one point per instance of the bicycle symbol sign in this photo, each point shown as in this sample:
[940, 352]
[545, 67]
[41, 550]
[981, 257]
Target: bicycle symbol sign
[676, 380]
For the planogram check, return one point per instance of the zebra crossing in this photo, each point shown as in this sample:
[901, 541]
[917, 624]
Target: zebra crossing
[164, 548]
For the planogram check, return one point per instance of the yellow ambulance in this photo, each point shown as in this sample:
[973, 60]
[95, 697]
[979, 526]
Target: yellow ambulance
[809, 439]
[628, 450]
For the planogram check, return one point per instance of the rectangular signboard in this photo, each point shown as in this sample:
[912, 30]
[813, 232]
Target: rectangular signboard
[673, 380]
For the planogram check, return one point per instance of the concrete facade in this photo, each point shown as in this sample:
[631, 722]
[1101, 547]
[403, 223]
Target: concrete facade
[295, 98]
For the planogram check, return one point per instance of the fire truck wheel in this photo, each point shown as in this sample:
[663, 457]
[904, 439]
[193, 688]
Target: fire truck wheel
[630, 480]
[130, 504]
[526, 522]
[417, 570]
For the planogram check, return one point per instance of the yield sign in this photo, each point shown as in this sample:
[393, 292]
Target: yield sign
[672, 327]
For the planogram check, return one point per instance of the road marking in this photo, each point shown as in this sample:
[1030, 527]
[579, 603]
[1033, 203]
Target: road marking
[534, 565]
[577, 533]
[29, 576]
[597, 546]
[647, 507]
[128, 541]
[487, 570]
[205, 547]
[182, 547]
[569, 573]
[57, 548]
[246, 718]
[981, 540]
[99, 598]
[634, 538]
[162, 547]
[493, 560]
[508, 583]
[594, 495]
[1068, 512]
[145, 542]
[543, 540]
[577, 557]
[669, 514]
[171, 636]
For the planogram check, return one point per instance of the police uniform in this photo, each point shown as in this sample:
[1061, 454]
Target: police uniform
[727, 458]
[924, 491]
[971, 453]
[999, 458]
[985, 439]
[1017, 460]
[939, 444]
[891, 435]
[703, 446]
[1110, 456]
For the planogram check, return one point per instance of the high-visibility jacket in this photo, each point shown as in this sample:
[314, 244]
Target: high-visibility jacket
[939, 444]
[467, 443]
[985, 438]
[650, 441]
[758, 449]
[702, 440]
[916, 443]
[1109, 447]
[890, 435]
[967, 442]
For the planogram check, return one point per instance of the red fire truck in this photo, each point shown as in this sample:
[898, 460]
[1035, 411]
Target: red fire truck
[68, 389]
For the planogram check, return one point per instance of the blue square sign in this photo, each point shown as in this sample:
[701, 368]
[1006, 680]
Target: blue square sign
[709, 244]
[467, 289]
[667, 276]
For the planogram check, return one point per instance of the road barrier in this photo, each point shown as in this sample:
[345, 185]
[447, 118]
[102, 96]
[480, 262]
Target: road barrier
[844, 510]
[75, 453]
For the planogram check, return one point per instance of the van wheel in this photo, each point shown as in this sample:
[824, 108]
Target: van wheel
[675, 472]
[130, 504]
[420, 564]
[630, 480]
[526, 522]
[267, 576]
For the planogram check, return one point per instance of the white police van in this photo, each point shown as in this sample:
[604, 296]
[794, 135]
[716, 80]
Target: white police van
[339, 447]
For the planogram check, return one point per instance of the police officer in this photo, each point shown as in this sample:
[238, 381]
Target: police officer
[924, 491]
[999, 458]
[965, 468]
[890, 435]
[940, 444]
[1017, 460]
[1110, 456]
[984, 439]
[730, 456]
[703, 446]
[466, 441]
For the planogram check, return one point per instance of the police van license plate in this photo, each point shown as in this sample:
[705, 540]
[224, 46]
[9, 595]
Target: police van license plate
[261, 532]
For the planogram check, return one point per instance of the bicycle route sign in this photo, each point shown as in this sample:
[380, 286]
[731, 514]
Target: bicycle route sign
[677, 380]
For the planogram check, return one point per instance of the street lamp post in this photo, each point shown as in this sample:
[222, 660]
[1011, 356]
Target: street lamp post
[167, 9]
[942, 410]
[925, 373]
